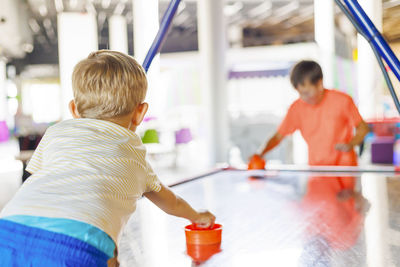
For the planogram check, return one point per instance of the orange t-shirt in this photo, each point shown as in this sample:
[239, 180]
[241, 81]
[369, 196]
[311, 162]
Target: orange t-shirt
[324, 125]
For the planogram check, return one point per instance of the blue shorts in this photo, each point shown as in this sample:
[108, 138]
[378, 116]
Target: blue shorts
[22, 246]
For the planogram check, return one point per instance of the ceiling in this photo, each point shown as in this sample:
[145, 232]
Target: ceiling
[250, 23]
[391, 20]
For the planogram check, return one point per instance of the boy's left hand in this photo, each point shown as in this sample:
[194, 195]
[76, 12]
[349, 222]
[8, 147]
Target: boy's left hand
[344, 147]
[361, 204]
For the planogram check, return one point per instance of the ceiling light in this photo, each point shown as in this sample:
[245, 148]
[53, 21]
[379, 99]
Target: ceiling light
[181, 7]
[59, 5]
[28, 48]
[261, 9]
[34, 25]
[90, 8]
[287, 9]
[119, 8]
[181, 18]
[105, 4]
[47, 23]
[232, 9]
[43, 10]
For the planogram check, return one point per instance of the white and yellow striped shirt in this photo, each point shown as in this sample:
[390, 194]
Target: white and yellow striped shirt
[86, 170]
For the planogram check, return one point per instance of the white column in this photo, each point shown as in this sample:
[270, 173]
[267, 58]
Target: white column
[118, 33]
[235, 35]
[145, 28]
[369, 77]
[212, 49]
[374, 188]
[324, 30]
[3, 93]
[77, 38]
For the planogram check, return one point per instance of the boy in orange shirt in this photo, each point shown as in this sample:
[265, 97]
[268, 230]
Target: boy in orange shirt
[325, 118]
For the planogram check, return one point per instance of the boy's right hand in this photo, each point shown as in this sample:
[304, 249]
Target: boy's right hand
[205, 219]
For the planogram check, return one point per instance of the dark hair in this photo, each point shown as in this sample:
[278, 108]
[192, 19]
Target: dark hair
[306, 70]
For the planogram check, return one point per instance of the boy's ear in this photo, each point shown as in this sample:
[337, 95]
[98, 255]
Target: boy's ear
[139, 113]
[73, 110]
[320, 84]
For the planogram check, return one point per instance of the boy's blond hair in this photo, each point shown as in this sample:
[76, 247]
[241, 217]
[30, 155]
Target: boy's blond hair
[108, 84]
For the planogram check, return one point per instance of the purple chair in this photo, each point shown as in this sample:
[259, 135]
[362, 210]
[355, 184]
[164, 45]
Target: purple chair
[4, 132]
[183, 136]
[382, 150]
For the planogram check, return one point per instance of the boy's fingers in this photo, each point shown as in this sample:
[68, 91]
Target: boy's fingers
[339, 146]
[342, 147]
[203, 225]
[345, 194]
[206, 220]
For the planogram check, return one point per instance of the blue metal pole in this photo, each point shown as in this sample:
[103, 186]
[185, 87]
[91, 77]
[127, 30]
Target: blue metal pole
[162, 33]
[375, 50]
[374, 36]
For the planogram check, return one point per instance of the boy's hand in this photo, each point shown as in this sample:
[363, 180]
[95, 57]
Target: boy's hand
[205, 219]
[361, 204]
[344, 147]
[345, 194]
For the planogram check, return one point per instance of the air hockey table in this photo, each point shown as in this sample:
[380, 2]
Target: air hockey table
[282, 217]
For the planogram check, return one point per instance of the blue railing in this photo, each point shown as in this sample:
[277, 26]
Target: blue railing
[380, 47]
[162, 33]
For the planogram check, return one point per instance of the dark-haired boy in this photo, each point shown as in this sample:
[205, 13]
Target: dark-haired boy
[325, 118]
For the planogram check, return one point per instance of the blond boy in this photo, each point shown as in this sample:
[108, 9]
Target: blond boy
[88, 173]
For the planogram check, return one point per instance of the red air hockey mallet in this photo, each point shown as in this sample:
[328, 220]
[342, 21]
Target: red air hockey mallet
[256, 163]
[202, 243]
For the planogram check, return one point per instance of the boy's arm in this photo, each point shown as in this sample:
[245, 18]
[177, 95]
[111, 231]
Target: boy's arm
[361, 131]
[272, 143]
[172, 204]
[289, 125]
